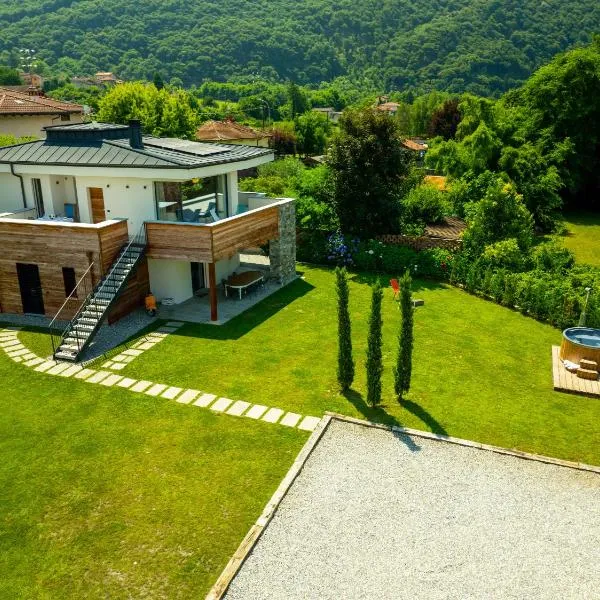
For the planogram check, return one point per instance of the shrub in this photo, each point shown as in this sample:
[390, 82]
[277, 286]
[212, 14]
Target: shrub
[403, 368]
[424, 204]
[345, 369]
[550, 256]
[505, 254]
[374, 363]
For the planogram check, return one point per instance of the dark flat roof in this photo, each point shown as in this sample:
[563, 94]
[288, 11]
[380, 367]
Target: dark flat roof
[108, 145]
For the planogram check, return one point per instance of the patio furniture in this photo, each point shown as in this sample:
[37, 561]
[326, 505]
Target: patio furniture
[188, 215]
[214, 215]
[395, 287]
[205, 214]
[243, 281]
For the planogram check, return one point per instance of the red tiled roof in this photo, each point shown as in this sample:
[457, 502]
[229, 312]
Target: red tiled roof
[412, 145]
[16, 103]
[215, 131]
[388, 106]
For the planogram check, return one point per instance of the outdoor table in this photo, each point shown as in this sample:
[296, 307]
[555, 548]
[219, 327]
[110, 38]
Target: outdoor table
[242, 281]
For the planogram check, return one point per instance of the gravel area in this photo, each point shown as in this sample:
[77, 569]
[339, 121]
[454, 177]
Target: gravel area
[375, 514]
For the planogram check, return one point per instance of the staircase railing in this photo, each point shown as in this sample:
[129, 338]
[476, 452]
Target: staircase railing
[82, 290]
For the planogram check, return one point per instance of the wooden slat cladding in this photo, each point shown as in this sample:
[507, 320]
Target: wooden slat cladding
[179, 241]
[210, 243]
[244, 231]
[52, 247]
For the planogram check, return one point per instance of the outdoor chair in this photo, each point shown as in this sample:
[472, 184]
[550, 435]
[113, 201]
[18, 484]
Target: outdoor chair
[188, 215]
[395, 288]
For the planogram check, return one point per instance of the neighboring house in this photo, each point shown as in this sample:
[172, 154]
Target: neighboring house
[418, 146]
[106, 78]
[388, 107]
[331, 114]
[231, 132]
[80, 196]
[28, 114]
[32, 80]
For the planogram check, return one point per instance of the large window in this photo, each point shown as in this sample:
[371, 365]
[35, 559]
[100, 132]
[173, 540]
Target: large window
[194, 201]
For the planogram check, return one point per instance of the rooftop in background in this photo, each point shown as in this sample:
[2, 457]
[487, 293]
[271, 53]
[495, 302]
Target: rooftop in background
[415, 145]
[122, 146]
[451, 228]
[388, 106]
[18, 103]
[216, 131]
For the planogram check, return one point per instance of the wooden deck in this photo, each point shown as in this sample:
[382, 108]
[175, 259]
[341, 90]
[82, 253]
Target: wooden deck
[565, 381]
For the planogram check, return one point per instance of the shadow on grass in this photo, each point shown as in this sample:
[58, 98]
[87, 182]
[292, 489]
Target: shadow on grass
[251, 318]
[418, 411]
[378, 415]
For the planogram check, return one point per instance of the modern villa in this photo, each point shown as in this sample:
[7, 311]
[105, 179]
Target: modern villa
[128, 214]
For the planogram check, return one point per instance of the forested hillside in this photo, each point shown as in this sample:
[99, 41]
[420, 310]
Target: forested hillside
[481, 46]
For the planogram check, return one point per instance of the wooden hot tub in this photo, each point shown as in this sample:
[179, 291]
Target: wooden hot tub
[579, 343]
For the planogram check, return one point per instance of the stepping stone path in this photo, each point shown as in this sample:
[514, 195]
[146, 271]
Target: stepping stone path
[16, 351]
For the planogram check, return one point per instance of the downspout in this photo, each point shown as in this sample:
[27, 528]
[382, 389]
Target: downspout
[12, 170]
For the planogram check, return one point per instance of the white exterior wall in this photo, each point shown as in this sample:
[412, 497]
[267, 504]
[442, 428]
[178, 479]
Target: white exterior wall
[232, 190]
[134, 203]
[32, 125]
[225, 267]
[170, 279]
[10, 193]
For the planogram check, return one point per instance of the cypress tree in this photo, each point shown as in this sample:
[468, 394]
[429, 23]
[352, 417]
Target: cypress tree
[403, 368]
[374, 363]
[345, 370]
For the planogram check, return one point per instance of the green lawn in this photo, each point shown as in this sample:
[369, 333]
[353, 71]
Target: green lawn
[109, 494]
[584, 236]
[481, 371]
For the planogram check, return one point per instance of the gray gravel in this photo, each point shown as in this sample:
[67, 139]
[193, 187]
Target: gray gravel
[381, 515]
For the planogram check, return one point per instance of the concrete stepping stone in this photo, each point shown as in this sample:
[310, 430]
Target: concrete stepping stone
[156, 389]
[132, 352]
[97, 377]
[45, 366]
[84, 374]
[118, 366]
[290, 419]
[111, 380]
[108, 364]
[256, 412]
[272, 415]
[205, 400]
[120, 357]
[34, 362]
[188, 396]
[20, 352]
[309, 423]
[126, 383]
[176, 324]
[10, 343]
[8, 337]
[16, 358]
[156, 335]
[145, 346]
[171, 393]
[71, 371]
[141, 386]
[167, 329]
[221, 404]
[238, 408]
[29, 356]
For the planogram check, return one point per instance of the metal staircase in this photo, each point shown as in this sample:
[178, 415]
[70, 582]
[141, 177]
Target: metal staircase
[82, 328]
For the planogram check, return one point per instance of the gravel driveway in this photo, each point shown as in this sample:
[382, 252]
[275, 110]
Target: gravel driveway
[381, 515]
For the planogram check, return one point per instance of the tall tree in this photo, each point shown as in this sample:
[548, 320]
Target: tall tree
[368, 165]
[345, 369]
[444, 121]
[311, 132]
[403, 368]
[9, 76]
[374, 363]
[298, 102]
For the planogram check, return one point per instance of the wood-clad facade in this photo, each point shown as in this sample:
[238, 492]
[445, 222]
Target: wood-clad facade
[212, 242]
[52, 247]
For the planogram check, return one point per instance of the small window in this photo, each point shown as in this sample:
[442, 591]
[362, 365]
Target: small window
[65, 117]
[69, 281]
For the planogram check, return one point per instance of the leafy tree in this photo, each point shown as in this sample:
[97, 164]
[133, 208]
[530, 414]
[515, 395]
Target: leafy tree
[368, 165]
[424, 204]
[162, 112]
[374, 362]
[403, 368]
[311, 133]
[500, 215]
[9, 76]
[345, 369]
[444, 121]
[297, 101]
[11, 140]
[158, 81]
[283, 141]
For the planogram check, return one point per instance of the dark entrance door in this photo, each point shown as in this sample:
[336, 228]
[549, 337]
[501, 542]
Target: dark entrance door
[197, 277]
[31, 288]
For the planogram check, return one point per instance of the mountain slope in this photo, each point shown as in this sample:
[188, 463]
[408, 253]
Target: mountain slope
[484, 46]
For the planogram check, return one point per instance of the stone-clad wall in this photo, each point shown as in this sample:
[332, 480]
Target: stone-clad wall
[282, 252]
